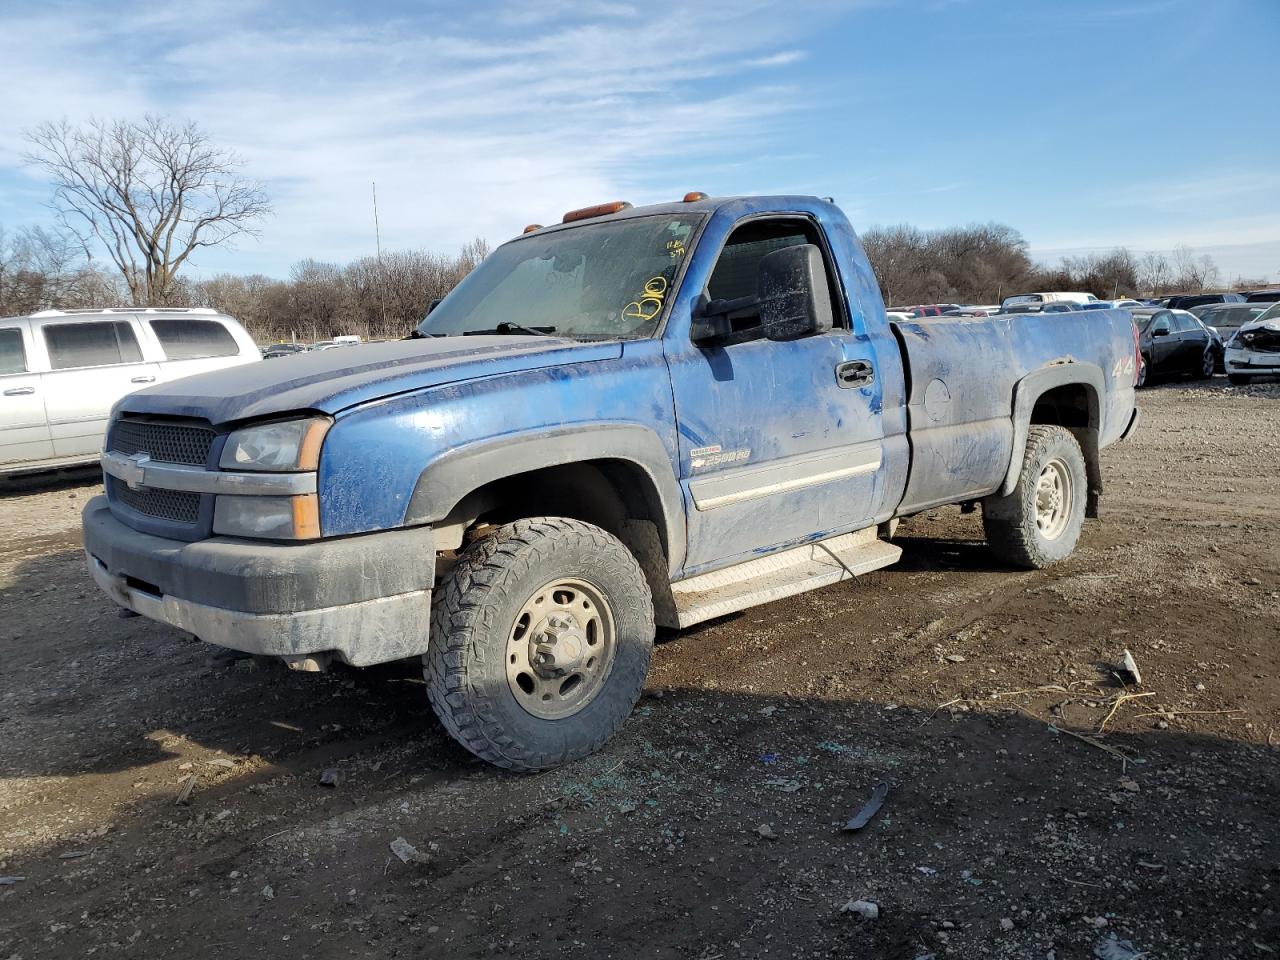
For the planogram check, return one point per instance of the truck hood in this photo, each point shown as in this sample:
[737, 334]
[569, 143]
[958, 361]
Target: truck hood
[329, 381]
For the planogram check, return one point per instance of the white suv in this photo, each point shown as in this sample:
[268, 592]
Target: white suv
[61, 371]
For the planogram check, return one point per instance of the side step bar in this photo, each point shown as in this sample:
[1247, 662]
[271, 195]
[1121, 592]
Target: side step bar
[779, 575]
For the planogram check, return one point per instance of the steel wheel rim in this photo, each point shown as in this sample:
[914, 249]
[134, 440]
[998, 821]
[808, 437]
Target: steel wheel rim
[560, 649]
[1053, 499]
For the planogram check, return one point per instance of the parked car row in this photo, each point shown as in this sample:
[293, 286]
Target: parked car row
[288, 348]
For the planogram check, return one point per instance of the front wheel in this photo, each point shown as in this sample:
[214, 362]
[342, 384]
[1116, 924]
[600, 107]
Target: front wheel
[1207, 363]
[541, 637]
[1238, 379]
[1039, 523]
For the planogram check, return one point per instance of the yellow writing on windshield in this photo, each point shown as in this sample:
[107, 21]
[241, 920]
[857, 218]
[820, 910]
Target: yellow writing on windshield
[649, 305]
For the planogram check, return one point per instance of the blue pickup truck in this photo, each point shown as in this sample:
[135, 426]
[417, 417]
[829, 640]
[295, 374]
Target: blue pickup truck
[637, 417]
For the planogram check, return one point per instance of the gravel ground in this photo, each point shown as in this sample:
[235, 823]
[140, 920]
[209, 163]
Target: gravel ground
[1036, 807]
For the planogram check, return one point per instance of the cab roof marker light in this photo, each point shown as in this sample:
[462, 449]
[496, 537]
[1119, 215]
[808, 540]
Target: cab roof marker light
[532, 227]
[693, 196]
[599, 210]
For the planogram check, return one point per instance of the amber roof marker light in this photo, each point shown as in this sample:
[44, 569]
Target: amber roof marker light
[693, 196]
[532, 227]
[599, 210]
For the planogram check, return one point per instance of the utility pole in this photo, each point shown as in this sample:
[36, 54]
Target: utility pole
[382, 274]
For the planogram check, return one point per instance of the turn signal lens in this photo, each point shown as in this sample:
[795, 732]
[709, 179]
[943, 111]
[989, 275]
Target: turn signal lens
[268, 518]
[599, 210]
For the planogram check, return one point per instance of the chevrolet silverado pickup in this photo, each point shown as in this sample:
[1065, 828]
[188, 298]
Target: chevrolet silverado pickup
[637, 417]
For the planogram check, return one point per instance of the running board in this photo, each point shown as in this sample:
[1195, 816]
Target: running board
[784, 574]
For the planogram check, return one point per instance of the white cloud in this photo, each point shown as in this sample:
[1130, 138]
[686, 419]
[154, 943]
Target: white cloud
[467, 130]
[778, 59]
[1212, 188]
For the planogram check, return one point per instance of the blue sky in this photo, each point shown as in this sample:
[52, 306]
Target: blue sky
[1086, 125]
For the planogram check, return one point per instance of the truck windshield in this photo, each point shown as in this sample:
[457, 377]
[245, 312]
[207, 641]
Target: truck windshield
[597, 281]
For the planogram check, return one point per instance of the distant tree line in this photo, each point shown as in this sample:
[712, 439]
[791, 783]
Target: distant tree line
[983, 263]
[375, 297]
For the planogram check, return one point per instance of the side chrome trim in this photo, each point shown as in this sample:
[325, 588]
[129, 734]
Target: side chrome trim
[782, 476]
[142, 472]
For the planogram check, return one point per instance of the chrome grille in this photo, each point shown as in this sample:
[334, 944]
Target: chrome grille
[178, 506]
[166, 442]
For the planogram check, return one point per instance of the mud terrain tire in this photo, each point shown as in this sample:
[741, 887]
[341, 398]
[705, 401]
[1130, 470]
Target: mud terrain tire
[476, 630]
[1039, 523]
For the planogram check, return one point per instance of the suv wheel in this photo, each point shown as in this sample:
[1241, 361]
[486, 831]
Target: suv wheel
[541, 637]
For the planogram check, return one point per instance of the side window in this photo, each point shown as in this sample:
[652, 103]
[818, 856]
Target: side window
[13, 356]
[1183, 323]
[736, 270]
[184, 339]
[90, 344]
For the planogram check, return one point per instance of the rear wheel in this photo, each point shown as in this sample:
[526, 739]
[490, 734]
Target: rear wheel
[1039, 523]
[1238, 379]
[541, 637]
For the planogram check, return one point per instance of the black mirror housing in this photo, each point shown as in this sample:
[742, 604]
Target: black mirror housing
[710, 328]
[795, 300]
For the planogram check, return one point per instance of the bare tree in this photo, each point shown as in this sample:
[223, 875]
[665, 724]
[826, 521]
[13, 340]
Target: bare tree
[1154, 272]
[973, 264]
[42, 268]
[149, 192]
[1192, 273]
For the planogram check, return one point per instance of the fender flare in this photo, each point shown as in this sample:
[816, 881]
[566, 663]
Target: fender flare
[445, 481]
[1031, 388]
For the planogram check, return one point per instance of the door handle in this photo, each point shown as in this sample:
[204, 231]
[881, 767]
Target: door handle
[19, 391]
[855, 373]
[143, 380]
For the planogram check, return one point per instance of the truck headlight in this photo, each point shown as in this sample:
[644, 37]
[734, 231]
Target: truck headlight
[290, 445]
[269, 518]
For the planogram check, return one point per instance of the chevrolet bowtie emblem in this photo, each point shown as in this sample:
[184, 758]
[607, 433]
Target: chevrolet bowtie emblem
[134, 469]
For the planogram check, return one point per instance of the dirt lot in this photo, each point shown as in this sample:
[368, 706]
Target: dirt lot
[710, 827]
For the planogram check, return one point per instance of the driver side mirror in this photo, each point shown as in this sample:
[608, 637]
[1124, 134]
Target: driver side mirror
[792, 298]
[1161, 329]
[795, 300]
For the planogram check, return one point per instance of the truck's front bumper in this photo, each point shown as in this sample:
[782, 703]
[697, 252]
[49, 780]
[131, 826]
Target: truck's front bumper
[365, 599]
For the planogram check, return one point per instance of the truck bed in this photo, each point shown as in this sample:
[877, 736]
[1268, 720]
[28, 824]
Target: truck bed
[962, 371]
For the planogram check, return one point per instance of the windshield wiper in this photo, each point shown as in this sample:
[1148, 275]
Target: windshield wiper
[508, 327]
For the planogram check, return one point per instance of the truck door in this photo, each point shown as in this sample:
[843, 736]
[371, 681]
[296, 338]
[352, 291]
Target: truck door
[778, 441]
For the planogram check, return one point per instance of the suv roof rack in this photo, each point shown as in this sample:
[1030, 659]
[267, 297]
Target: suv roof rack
[81, 311]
